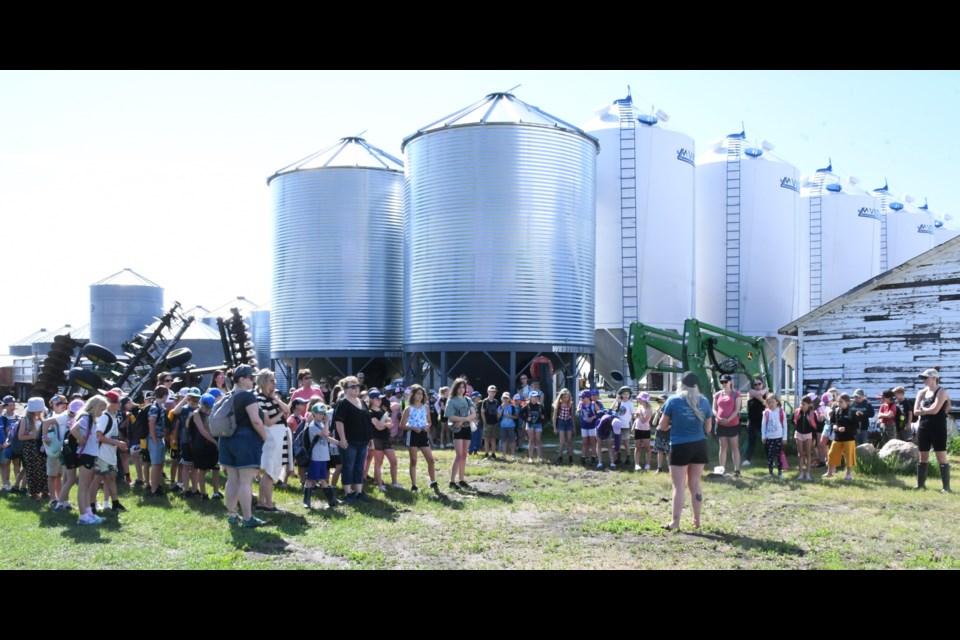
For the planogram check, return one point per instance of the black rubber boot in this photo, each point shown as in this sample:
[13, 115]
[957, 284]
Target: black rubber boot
[307, 493]
[921, 475]
[945, 476]
[332, 497]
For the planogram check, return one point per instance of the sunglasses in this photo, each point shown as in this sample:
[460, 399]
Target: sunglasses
[168, 379]
[352, 386]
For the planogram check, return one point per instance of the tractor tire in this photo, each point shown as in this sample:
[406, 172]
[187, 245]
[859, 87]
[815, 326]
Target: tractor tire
[86, 379]
[98, 355]
[178, 358]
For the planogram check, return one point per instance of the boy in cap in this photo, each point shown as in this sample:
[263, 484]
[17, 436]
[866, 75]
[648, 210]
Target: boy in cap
[887, 419]
[862, 412]
[318, 434]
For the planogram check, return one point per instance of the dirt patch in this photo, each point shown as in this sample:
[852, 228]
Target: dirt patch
[283, 552]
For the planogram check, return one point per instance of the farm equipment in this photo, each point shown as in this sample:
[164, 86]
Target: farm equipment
[705, 350]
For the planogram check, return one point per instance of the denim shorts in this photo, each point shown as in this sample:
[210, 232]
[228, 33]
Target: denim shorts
[566, 427]
[508, 434]
[538, 428]
[317, 471]
[157, 450]
[242, 450]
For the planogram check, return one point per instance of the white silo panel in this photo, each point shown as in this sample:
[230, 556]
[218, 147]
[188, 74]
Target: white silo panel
[910, 232]
[769, 225]
[664, 209]
[849, 239]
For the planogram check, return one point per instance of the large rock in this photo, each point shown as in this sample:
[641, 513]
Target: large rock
[901, 454]
[866, 452]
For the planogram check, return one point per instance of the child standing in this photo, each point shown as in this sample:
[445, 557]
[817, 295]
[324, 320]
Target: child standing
[509, 413]
[588, 428]
[844, 438]
[641, 432]
[532, 416]
[774, 434]
[317, 437]
[805, 419]
[661, 443]
[564, 424]
[887, 418]
[623, 407]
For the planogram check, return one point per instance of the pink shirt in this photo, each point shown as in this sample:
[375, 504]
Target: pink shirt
[306, 394]
[728, 407]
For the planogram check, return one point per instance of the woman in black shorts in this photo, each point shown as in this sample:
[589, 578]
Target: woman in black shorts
[932, 405]
[461, 413]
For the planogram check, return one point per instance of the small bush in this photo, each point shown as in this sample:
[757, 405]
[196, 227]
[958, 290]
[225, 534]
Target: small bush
[953, 446]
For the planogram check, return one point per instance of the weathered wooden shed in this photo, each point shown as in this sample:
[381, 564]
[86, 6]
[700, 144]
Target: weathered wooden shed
[884, 332]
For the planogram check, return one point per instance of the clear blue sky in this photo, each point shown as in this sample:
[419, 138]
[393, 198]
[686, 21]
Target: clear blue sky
[165, 172]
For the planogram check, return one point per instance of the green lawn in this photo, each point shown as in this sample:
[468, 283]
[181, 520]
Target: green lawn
[520, 516]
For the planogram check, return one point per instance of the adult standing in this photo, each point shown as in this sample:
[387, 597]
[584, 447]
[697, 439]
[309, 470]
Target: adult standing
[932, 405]
[272, 455]
[355, 429]
[84, 432]
[756, 399]
[726, 406]
[12, 451]
[491, 411]
[688, 418]
[460, 412]
[307, 389]
[525, 387]
[219, 382]
[417, 422]
[240, 454]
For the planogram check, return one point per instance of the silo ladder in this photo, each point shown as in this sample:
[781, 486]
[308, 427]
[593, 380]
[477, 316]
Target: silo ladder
[816, 241]
[628, 216]
[732, 322]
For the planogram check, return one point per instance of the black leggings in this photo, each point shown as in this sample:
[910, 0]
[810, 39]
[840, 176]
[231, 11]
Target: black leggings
[774, 447]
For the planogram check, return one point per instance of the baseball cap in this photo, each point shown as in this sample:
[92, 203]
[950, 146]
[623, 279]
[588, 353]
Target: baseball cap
[374, 394]
[535, 394]
[216, 393]
[183, 392]
[194, 392]
[208, 399]
[690, 379]
[624, 389]
[887, 394]
[518, 397]
[58, 399]
[726, 378]
[476, 394]
[929, 373]
[594, 392]
[319, 408]
[584, 394]
[9, 400]
[76, 406]
[243, 371]
[505, 395]
[124, 400]
[296, 402]
[112, 397]
[859, 393]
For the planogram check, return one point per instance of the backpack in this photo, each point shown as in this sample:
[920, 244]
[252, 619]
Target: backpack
[56, 444]
[302, 448]
[223, 420]
[71, 446]
[141, 425]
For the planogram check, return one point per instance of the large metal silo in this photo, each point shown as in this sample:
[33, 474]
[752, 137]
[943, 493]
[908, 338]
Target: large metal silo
[645, 203]
[500, 231]
[24, 347]
[747, 225]
[839, 243]
[906, 231]
[260, 332]
[338, 258]
[121, 306]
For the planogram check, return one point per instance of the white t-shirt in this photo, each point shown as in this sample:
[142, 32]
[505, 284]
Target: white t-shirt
[91, 447]
[108, 452]
[626, 411]
[320, 451]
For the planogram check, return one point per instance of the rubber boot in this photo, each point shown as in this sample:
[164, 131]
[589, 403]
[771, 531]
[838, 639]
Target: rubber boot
[921, 475]
[331, 497]
[945, 476]
[307, 492]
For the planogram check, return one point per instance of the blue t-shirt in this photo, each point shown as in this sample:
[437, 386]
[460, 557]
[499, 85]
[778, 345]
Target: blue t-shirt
[685, 426]
[159, 414]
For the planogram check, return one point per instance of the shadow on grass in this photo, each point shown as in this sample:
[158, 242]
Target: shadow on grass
[750, 544]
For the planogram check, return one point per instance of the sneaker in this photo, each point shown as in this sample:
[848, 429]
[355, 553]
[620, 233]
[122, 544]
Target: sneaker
[453, 485]
[54, 503]
[118, 507]
[529, 460]
[397, 485]
[646, 467]
[435, 487]
[570, 461]
[769, 475]
[252, 523]
[636, 467]
[613, 466]
[92, 520]
[362, 497]
[463, 485]
[414, 488]
[779, 474]
[600, 466]
[217, 495]
[59, 507]
[559, 461]
[139, 483]
[350, 498]
[204, 496]
[486, 456]
[382, 487]
[745, 463]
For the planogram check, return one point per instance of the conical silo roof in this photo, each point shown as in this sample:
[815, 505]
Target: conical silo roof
[353, 152]
[499, 108]
[126, 278]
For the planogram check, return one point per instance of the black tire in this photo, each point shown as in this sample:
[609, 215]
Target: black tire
[98, 355]
[86, 379]
[178, 358]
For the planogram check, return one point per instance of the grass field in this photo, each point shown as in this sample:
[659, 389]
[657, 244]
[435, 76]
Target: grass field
[519, 517]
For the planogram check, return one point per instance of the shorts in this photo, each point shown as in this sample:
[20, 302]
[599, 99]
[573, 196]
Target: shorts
[537, 428]
[156, 450]
[317, 471]
[508, 434]
[728, 432]
[932, 437]
[462, 434]
[565, 427]
[688, 453]
[491, 431]
[186, 454]
[242, 450]
[639, 434]
[335, 461]
[418, 439]
[205, 455]
[105, 469]
[803, 437]
[382, 445]
[88, 462]
[847, 450]
[54, 466]
[588, 433]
